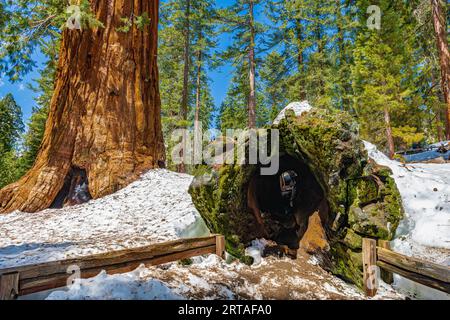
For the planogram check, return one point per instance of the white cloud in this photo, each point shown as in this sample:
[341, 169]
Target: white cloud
[21, 87]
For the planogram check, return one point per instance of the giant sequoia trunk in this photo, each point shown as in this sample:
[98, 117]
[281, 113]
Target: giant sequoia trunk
[104, 125]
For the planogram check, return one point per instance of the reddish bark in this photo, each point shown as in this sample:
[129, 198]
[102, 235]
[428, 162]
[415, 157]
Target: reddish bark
[440, 27]
[105, 112]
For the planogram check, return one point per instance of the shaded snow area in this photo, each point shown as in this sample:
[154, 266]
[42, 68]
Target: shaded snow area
[153, 209]
[212, 278]
[425, 231]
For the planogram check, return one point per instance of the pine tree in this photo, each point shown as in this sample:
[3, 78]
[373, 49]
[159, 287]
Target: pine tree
[429, 117]
[382, 72]
[441, 34]
[11, 127]
[274, 87]
[185, 85]
[314, 39]
[233, 111]
[239, 20]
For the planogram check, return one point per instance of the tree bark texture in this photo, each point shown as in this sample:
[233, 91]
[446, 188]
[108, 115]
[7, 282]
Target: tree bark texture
[252, 71]
[440, 27]
[104, 116]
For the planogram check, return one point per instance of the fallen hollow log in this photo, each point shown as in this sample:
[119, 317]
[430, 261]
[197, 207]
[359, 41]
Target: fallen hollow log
[349, 195]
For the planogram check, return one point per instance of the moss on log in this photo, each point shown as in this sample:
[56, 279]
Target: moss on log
[354, 196]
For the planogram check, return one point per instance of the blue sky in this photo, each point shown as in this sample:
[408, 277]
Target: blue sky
[22, 94]
[220, 78]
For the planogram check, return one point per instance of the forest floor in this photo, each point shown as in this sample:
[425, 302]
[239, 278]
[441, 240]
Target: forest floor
[212, 278]
[158, 208]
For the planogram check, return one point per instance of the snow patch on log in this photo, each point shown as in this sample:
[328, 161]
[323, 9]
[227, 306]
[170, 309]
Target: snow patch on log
[298, 107]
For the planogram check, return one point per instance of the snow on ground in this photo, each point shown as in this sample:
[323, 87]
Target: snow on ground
[212, 278]
[425, 231]
[158, 208]
[153, 209]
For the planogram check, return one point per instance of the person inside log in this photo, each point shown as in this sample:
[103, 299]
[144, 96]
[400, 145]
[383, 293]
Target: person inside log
[288, 187]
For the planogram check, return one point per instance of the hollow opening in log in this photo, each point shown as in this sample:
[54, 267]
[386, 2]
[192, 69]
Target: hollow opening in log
[74, 191]
[285, 219]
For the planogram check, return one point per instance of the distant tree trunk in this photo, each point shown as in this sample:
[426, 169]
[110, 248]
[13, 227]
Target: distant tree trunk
[104, 122]
[320, 47]
[198, 91]
[185, 93]
[252, 66]
[440, 27]
[343, 101]
[389, 137]
[197, 123]
[300, 60]
[187, 47]
[440, 132]
[438, 118]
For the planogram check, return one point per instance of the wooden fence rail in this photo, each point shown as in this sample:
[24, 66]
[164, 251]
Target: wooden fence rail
[29, 279]
[426, 273]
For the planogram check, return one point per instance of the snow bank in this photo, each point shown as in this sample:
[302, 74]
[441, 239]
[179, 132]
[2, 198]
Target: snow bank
[425, 190]
[298, 107]
[153, 209]
[425, 231]
[128, 286]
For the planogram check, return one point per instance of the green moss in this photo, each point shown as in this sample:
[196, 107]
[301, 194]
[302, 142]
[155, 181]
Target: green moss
[185, 262]
[352, 240]
[393, 204]
[345, 265]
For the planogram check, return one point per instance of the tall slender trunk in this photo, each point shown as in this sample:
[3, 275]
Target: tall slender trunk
[440, 27]
[252, 73]
[185, 94]
[320, 48]
[187, 47]
[438, 118]
[197, 124]
[341, 47]
[104, 125]
[300, 60]
[389, 137]
[440, 132]
[198, 90]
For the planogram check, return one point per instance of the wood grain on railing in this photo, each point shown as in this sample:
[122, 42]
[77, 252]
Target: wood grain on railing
[45, 276]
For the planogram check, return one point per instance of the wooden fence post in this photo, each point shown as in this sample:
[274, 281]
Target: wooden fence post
[386, 276]
[9, 286]
[370, 270]
[220, 246]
